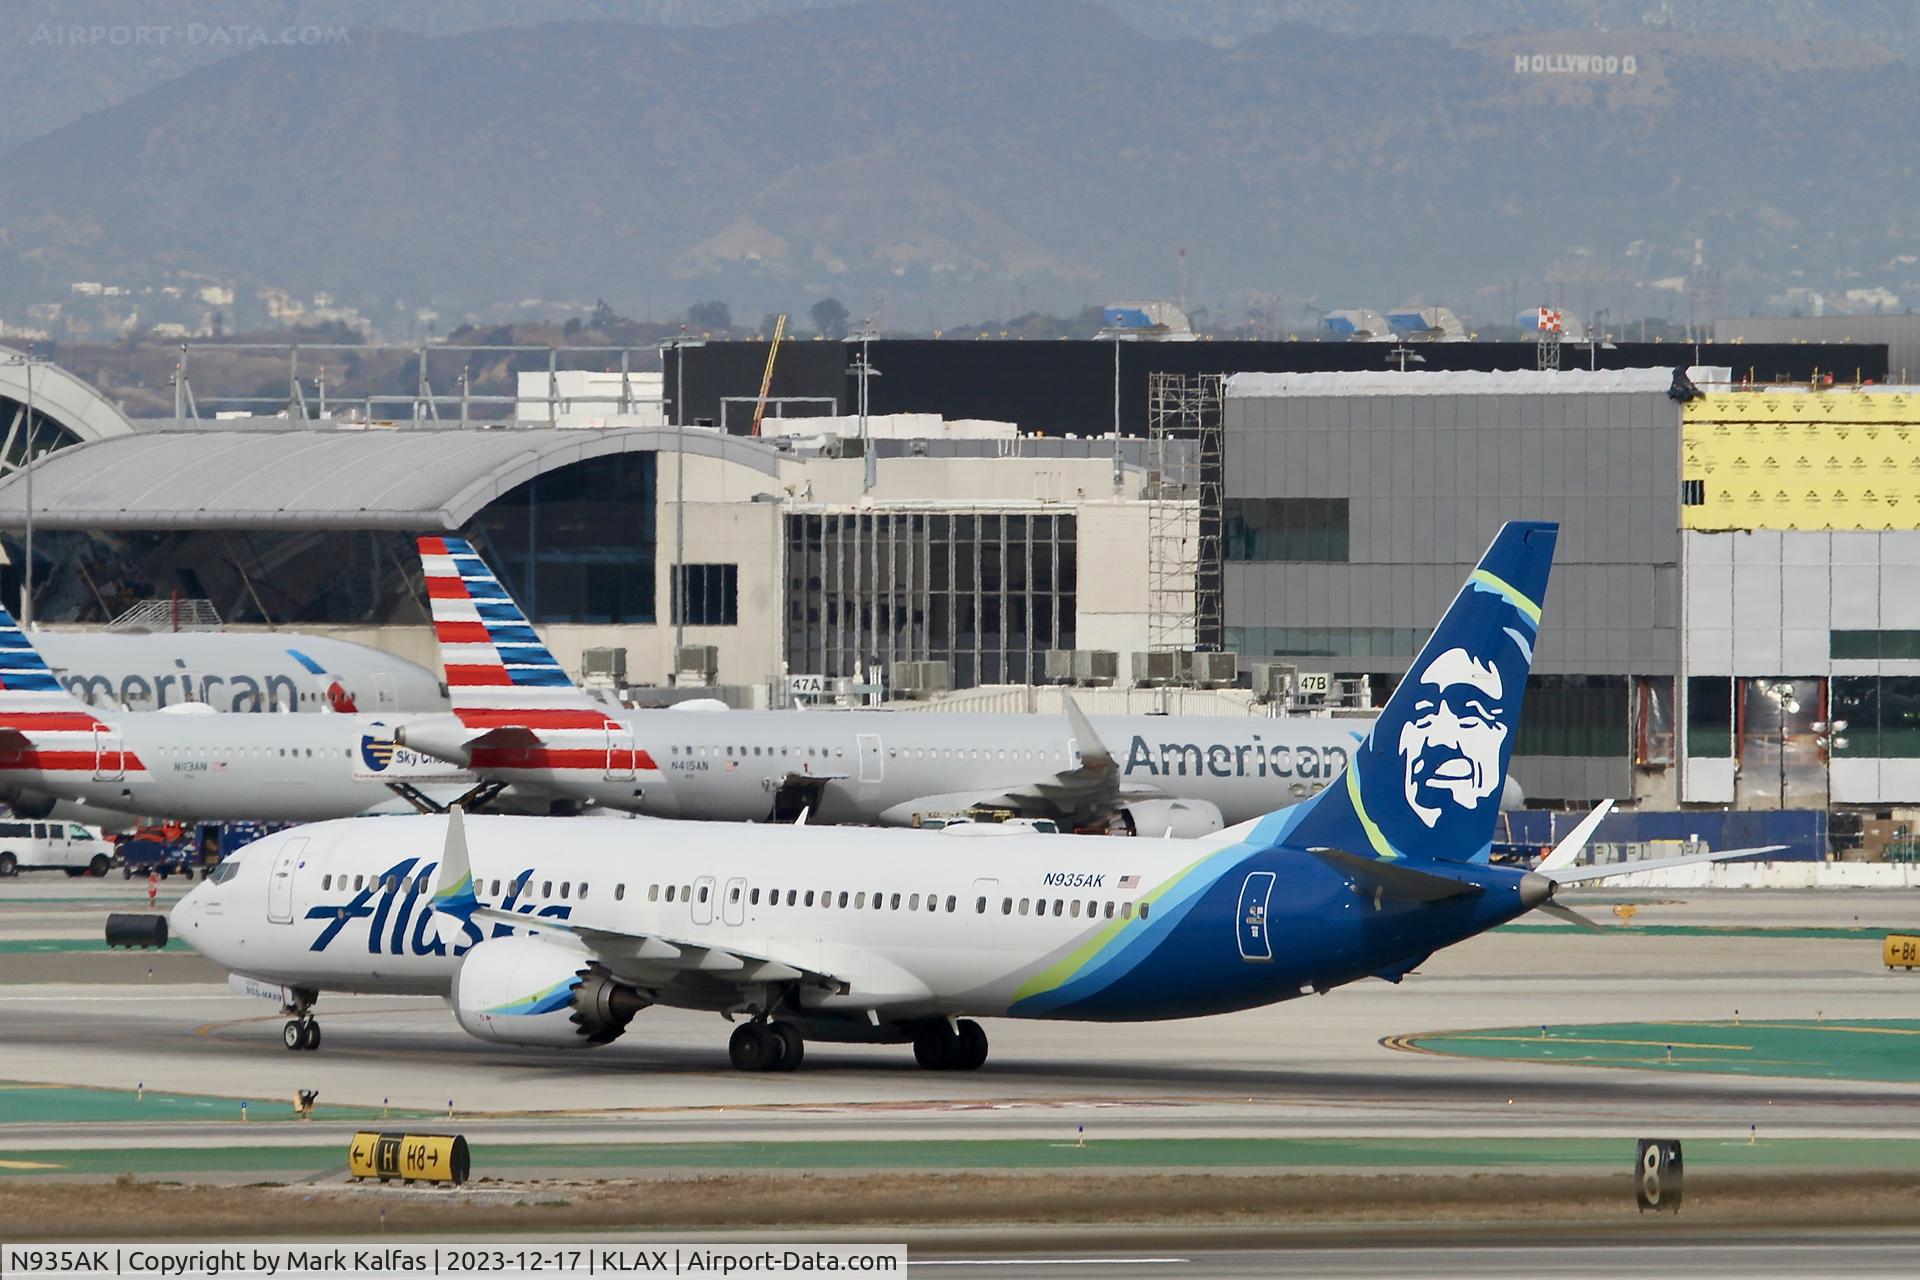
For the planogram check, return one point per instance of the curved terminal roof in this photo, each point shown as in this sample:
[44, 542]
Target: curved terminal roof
[63, 398]
[412, 479]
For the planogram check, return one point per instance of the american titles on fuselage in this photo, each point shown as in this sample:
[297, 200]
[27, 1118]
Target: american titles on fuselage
[1256, 759]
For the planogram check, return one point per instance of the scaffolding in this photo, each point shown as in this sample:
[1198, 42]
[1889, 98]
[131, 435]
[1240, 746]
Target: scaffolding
[1185, 449]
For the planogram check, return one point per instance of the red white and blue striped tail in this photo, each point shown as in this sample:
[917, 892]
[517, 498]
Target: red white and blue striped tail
[501, 678]
[28, 686]
[43, 727]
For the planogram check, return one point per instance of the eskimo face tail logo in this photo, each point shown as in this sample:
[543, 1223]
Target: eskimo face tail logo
[1427, 780]
[1451, 749]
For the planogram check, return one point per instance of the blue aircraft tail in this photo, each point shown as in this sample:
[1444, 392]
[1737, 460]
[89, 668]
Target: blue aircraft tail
[1427, 781]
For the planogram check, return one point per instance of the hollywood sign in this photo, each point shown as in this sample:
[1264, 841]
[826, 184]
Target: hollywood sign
[1575, 64]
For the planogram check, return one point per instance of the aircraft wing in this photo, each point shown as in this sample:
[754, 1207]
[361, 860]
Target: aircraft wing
[1090, 790]
[657, 959]
[646, 960]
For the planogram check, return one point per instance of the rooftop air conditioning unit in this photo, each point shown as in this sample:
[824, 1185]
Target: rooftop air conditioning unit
[1215, 670]
[1058, 665]
[696, 663]
[1156, 668]
[922, 679]
[603, 665]
[1099, 668]
[1273, 681]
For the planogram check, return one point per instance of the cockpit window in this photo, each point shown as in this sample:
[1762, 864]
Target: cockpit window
[225, 872]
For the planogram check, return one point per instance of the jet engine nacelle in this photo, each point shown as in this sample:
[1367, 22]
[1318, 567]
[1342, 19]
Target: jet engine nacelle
[442, 737]
[529, 991]
[27, 803]
[1179, 818]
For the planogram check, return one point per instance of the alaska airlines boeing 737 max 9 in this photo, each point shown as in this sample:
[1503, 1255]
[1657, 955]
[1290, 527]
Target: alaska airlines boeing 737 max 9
[543, 936]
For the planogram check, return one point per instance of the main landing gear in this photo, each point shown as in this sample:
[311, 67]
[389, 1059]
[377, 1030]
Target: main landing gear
[959, 1047]
[767, 1046]
[303, 1029]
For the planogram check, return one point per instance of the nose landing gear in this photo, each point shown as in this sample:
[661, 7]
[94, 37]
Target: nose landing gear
[303, 1029]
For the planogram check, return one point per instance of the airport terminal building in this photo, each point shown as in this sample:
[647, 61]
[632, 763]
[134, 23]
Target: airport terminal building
[1732, 620]
[700, 557]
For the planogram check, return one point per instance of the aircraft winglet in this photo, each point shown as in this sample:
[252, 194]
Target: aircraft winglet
[453, 899]
[1093, 752]
[1563, 854]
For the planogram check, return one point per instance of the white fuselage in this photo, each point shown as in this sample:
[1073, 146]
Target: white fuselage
[891, 767]
[917, 922]
[202, 766]
[235, 671]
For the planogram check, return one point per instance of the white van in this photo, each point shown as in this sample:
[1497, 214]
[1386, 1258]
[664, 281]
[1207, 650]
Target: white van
[52, 846]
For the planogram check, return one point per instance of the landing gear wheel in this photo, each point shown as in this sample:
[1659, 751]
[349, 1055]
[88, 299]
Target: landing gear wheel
[754, 1048]
[792, 1044]
[936, 1048]
[294, 1034]
[310, 1039]
[971, 1048]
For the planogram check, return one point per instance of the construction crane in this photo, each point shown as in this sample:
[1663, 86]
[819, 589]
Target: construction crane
[766, 377]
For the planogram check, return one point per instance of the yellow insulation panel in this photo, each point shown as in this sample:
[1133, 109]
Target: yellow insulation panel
[1810, 461]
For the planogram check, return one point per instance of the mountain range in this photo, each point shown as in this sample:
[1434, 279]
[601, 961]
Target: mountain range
[923, 159]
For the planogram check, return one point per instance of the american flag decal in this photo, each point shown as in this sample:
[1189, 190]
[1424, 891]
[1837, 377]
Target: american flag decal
[1129, 882]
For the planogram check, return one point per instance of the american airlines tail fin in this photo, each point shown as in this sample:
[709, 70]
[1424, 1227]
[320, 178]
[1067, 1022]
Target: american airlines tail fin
[499, 674]
[29, 691]
[1426, 782]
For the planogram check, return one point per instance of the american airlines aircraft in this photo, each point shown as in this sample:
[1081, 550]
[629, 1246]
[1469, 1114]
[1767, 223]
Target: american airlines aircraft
[236, 671]
[190, 763]
[890, 937]
[517, 717]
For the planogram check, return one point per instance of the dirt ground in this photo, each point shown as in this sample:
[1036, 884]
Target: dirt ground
[154, 1210]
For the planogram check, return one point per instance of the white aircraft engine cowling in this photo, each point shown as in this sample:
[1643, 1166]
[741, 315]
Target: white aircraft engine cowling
[529, 991]
[1183, 819]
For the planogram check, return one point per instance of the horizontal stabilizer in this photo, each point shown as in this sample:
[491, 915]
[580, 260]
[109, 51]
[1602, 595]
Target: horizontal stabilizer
[1570, 916]
[1609, 870]
[1393, 880]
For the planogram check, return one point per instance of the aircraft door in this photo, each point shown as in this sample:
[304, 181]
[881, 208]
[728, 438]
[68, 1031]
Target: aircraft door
[109, 755]
[733, 906]
[872, 761]
[619, 752]
[280, 880]
[386, 697]
[1255, 896]
[982, 931]
[703, 890]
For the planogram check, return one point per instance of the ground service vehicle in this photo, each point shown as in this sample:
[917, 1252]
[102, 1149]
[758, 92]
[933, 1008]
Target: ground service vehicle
[52, 846]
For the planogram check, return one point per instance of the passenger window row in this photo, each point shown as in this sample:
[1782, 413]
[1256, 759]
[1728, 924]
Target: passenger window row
[893, 753]
[741, 753]
[242, 753]
[394, 884]
[1057, 908]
